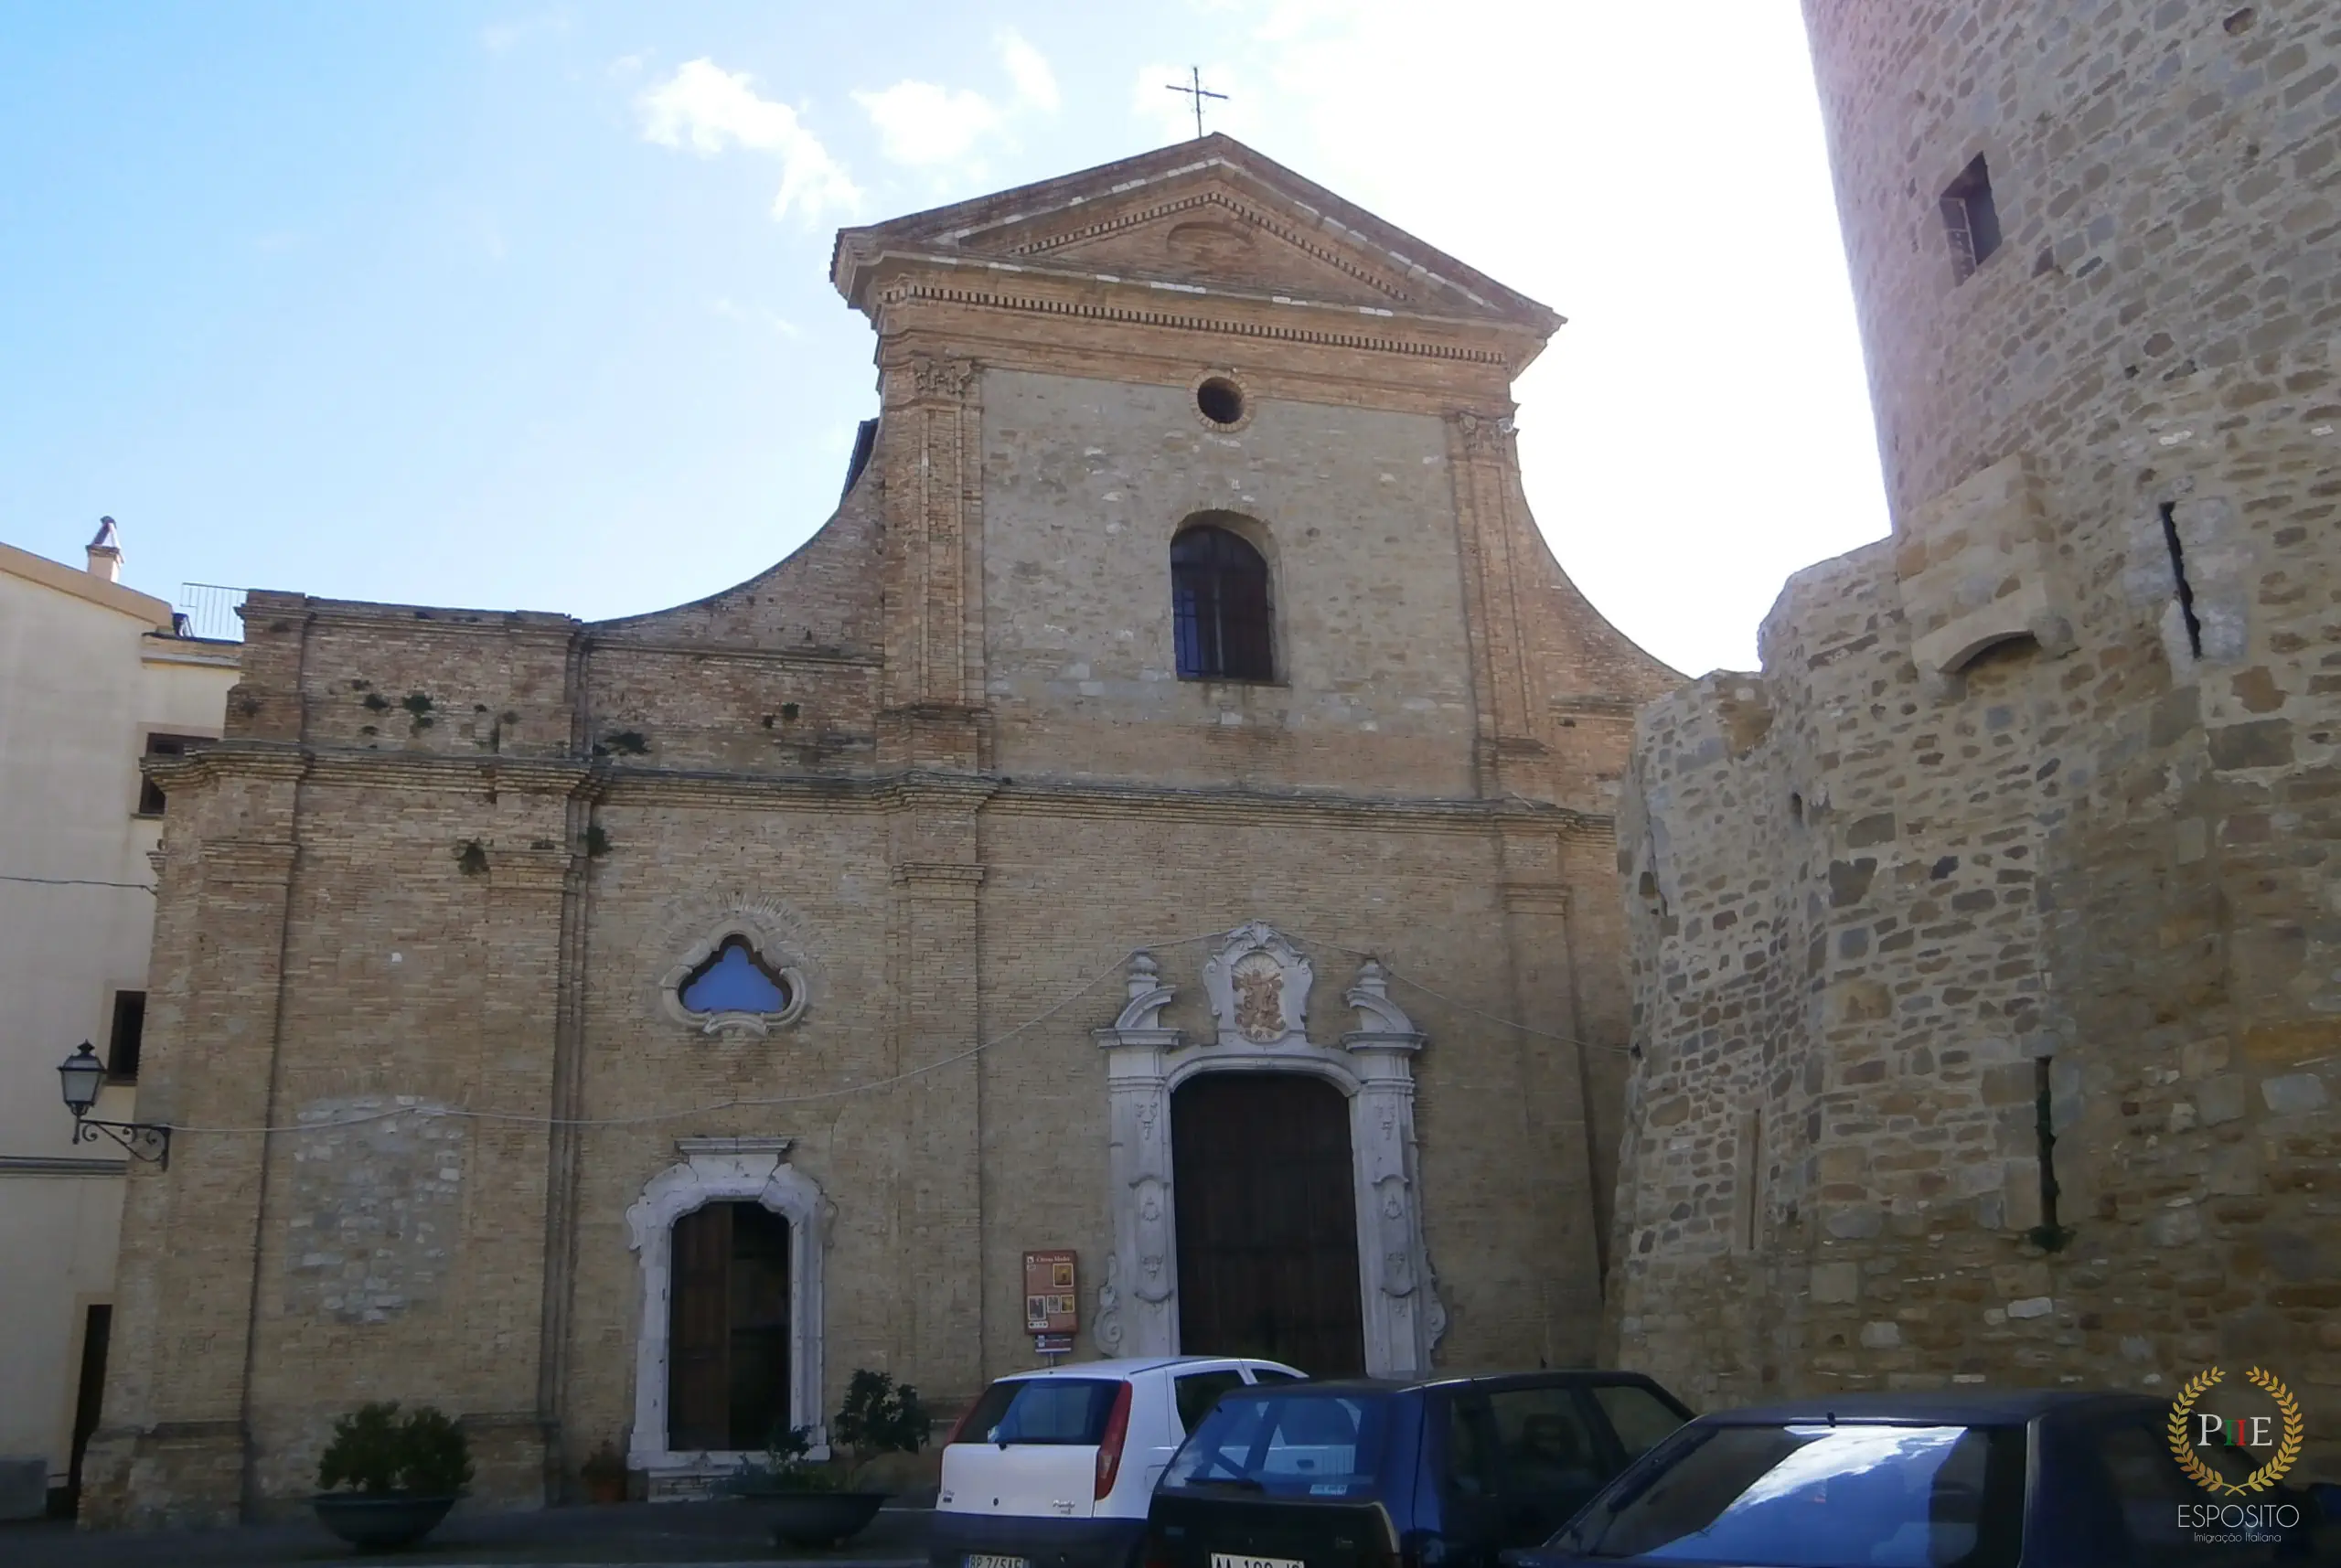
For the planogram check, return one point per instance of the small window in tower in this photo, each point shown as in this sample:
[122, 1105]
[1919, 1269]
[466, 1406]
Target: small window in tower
[1219, 606]
[129, 1034]
[150, 795]
[1971, 219]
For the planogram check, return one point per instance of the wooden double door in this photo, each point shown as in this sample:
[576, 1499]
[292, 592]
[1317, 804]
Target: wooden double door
[1267, 1209]
[728, 1328]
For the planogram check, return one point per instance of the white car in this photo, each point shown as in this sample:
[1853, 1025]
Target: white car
[1054, 1468]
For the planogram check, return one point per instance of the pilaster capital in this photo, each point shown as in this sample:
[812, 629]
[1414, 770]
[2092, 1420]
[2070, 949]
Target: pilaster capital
[945, 376]
[1482, 432]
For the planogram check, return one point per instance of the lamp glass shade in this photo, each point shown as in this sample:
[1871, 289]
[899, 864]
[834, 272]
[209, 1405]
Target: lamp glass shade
[82, 1075]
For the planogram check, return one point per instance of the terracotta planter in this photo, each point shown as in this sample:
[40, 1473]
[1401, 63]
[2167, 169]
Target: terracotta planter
[382, 1521]
[819, 1519]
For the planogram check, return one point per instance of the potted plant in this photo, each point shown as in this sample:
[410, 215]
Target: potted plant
[386, 1480]
[805, 1500]
[884, 1427]
[605, 1475]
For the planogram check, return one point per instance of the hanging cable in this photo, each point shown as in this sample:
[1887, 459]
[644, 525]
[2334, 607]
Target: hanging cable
[77, 882]
[874, 1085]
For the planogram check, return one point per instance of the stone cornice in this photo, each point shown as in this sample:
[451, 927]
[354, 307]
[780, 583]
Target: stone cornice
[922, 787]
[229, 759]
[833, 659]
[1033, 292]
[995, 274]
[544, 625]
[352, 765]
[947, 873]
[911, 790]
[1090, 799]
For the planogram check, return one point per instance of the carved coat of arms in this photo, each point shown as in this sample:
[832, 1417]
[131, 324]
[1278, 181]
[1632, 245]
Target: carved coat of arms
[1259, 983]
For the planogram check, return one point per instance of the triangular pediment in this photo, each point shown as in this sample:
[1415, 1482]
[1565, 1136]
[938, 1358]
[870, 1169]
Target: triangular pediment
[1206, 235]
[1211, 215]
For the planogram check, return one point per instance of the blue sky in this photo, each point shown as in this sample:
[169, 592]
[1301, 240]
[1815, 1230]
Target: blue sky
[528, 307]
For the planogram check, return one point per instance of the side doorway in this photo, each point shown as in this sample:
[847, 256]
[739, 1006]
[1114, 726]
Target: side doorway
[728, 1329]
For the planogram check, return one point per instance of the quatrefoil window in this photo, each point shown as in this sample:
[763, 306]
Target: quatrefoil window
[726, 986]
[736, 980]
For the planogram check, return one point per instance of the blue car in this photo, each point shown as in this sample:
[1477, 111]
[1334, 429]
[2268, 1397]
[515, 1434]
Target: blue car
[1441, 1473]
[2017, 1478]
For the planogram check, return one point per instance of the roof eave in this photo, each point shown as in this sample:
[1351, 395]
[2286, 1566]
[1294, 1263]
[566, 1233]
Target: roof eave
[857, 275]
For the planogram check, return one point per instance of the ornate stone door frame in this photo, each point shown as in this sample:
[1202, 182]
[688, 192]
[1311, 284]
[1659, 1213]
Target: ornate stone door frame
[1259, 983]
[714, 1170]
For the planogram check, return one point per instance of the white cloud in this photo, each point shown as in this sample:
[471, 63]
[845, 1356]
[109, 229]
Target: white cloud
[753, 316]
[922, 124]
[1581, 186]
[710, 109]
[499, 38]
[919, 122]
[1036, 84]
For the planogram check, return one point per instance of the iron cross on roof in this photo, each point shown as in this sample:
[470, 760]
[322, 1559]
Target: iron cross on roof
[1197, 91]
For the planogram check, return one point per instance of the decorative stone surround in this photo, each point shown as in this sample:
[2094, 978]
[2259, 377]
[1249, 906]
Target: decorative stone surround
[712, 1171]
[1259, 983]
[765, 928]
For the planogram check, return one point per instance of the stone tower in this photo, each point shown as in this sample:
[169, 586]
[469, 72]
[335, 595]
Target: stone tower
[1986, 949]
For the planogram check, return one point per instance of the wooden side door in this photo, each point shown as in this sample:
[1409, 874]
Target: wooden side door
[699, 1346]
[758, 1326]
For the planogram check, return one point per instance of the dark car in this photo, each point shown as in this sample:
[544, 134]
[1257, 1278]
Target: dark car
[1357, 1474]
[2013, 1478]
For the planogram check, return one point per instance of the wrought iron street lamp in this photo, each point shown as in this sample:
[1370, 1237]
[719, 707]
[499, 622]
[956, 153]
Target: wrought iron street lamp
[82, 1075]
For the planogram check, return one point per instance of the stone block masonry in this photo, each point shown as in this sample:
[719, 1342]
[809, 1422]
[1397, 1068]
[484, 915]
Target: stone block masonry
[1984, 947]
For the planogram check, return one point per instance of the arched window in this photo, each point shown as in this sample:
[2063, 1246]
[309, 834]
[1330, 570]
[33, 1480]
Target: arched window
[1219, 603]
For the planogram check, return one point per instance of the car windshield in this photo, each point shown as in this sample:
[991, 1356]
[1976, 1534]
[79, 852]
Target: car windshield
[1042, 1410]
[1317, 1444]
[1811, 1497]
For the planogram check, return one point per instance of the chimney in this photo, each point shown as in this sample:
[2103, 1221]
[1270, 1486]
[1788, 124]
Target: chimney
[105, 552]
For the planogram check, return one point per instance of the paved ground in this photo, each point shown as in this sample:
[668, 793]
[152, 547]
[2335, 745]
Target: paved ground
[700, 1534]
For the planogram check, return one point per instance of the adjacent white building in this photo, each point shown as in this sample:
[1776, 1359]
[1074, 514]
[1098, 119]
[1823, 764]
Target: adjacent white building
[93, 676]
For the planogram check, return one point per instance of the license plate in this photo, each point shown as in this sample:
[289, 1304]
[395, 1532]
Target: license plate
[984, 1559]
[1231, 1560]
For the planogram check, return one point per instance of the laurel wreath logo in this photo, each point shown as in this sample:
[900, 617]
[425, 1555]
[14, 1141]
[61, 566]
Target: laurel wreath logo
[2288, 1447]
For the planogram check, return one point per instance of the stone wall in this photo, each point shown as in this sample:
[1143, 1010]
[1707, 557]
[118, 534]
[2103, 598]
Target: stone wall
[2013, 850]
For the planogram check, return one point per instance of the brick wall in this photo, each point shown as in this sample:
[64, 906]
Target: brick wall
[446, 858]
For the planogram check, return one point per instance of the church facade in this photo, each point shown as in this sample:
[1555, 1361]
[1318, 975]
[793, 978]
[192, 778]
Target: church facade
[1163, 818]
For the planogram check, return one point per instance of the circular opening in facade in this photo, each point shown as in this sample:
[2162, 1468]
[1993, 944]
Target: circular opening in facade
[1221, 399]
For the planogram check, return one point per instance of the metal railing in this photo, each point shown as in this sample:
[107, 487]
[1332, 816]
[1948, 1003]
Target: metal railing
[209, 610]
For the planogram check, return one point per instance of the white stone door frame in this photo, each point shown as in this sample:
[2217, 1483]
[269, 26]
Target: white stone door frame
[719, 1170]
[1259, 983]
